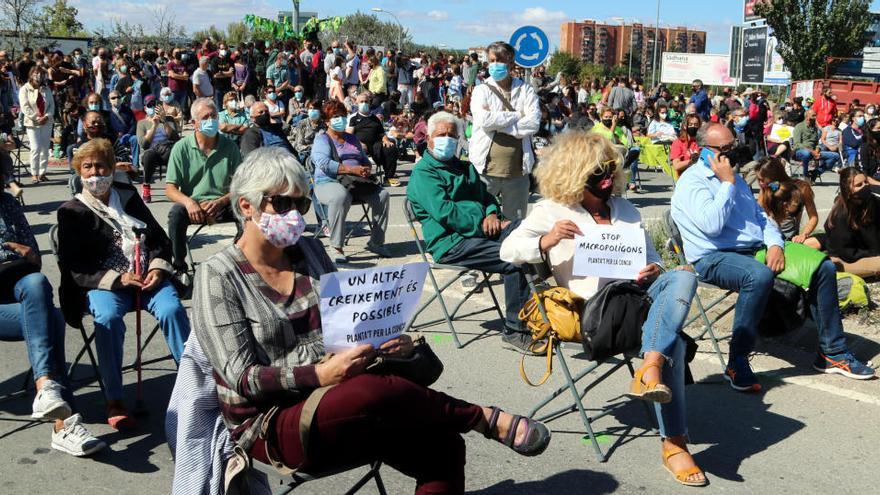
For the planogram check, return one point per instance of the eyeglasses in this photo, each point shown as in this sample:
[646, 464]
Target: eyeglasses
[282, 204]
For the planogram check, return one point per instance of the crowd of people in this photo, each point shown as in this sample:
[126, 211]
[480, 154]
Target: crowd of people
[260, 134]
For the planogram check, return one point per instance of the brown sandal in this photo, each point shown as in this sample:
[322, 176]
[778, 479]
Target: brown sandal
[683, 475]
[652, 391]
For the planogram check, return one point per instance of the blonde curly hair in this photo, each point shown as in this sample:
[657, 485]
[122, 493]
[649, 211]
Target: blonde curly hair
[571, 159]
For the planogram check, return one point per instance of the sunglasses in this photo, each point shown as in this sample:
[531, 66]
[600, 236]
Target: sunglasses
[282, 204]
[114, 98]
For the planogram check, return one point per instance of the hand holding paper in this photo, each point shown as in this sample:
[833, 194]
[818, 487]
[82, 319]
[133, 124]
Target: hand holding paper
[609, 251]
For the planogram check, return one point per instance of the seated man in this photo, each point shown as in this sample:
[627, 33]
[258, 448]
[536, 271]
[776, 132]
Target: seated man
[370, 131]
[200, 170]
[806, 147]
[460, 219]
[264, 133]
[305, 131]
[723, 227]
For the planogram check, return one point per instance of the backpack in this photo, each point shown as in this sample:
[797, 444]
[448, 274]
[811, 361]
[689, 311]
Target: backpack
[852, 292]
[611, 322]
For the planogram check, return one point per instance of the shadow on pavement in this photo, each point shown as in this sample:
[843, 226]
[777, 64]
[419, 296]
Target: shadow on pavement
[573, 481]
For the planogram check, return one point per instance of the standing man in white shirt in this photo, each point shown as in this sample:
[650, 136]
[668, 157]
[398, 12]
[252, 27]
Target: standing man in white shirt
[201, 80]
[506, 115]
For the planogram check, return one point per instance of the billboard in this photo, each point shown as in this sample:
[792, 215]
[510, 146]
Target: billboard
[761, 63]
[749, 11]
[713, 70]
[754, 51]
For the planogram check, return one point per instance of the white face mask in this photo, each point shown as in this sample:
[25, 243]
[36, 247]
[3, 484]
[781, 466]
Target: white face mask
[98, 185]
[662, 116]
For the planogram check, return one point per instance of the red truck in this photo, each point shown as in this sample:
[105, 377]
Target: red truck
[844, 89]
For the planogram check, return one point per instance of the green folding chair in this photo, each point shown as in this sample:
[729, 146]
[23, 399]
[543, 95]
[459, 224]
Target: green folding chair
[676, 246]
[537, 275]
[459, 271]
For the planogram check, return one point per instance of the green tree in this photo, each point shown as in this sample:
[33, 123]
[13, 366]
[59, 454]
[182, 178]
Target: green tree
[590, 71]
[213, 33]
[20, 16]
[59, 19]
[236, 33]
[367, 29]
[564, 62]
[809, 31]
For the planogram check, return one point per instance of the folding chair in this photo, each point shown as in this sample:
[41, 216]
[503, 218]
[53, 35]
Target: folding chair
[300, 478]
[320, 211]
[438, 290]
[88, 339]
[538, 274]
[675, 245]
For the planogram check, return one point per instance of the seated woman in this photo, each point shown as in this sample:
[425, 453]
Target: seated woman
[685, 149]
[578, 176]
[785, 199]
[255, 314]
[27, 313]
[156, 135]
[852, 230]
[233, 121]
[275, 105]
[869, 152]
[342, 174]
[307, 129]
[776, 145]
[97, 236]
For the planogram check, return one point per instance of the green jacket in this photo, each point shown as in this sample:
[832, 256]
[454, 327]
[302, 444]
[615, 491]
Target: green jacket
[805, 137]
[450, 201]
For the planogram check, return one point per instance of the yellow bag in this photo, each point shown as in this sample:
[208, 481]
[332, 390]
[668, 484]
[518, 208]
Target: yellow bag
[563, 309]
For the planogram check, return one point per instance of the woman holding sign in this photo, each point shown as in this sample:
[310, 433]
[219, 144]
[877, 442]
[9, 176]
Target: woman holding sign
[579, 177]
[256, 315]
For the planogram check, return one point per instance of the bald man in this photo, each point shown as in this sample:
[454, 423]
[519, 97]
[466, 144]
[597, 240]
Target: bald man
[264, 132]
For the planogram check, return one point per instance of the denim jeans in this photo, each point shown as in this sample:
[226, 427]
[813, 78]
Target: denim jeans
[827, 160]
[33, 318]
[632, 163]
[178, 221]
[484, 254]
[180, 100]
[753, 280]
[671, 294]
[108, 309]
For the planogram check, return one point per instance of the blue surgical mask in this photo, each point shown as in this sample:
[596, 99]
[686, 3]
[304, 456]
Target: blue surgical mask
[314, 114]
[298, 95]
[860, 121]
[364, 108]
[338, 123]
[150, 111]
[209, 127]
[123, 69]
[168, 98]
[94, 107]
[498, 70]
[444, 147]
[272, 96]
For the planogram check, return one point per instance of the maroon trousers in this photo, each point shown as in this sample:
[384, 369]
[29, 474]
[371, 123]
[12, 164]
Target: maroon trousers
[411, 428]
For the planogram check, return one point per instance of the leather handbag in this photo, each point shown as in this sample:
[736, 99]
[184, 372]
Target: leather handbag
[563, 310]
[422, 366]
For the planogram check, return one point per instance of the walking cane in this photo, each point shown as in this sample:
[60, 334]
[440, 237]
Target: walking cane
[139, 407]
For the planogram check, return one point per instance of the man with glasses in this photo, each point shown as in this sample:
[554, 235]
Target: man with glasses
[200, 170]
[723, 227]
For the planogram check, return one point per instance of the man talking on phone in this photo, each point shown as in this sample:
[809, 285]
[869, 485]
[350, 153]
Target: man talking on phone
[722, 228]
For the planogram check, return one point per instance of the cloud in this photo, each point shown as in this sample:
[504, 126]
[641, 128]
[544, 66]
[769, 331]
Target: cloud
[438, 15]
[195, 15]
[489, 26]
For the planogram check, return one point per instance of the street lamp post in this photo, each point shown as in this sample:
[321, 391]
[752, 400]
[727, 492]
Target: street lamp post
[656, 42]
[399, 26]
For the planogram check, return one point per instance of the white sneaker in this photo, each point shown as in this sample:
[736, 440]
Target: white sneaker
[48, 404]
[75, 439]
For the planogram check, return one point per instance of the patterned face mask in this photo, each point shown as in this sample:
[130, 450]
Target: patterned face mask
[282, 230]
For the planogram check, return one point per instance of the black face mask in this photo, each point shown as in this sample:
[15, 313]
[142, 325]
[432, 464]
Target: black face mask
[864, 195]
[606, 123]
[263, 120]
[875, 135]
[692, 131]
[601, 185]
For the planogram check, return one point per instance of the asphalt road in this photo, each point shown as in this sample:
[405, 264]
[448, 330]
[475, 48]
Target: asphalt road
[806, 433]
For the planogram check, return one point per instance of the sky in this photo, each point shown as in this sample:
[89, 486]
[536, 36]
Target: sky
[456, 23]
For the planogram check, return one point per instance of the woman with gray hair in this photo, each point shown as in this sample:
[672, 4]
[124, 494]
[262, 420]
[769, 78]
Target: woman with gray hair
[256, 315]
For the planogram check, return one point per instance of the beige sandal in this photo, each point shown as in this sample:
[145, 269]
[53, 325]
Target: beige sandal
[652, 391]
[683, 475]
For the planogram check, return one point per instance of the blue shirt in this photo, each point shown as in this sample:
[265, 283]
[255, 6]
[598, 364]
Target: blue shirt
[719, 216]
[701, 100]
[326, 166]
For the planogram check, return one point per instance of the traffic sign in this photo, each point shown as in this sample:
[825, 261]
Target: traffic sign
[531, 45]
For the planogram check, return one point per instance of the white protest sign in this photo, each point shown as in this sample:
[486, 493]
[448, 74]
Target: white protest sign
[369, 306]
[609, 251]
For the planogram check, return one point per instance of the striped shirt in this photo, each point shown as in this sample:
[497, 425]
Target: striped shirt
[262, 345]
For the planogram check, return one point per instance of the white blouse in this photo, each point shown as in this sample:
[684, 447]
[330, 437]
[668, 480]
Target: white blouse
[523, 244]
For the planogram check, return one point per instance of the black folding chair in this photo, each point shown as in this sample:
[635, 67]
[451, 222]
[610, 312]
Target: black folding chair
[676, 246]
[86, 349]
[299, 478]
[538, 274]
[459, 271]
